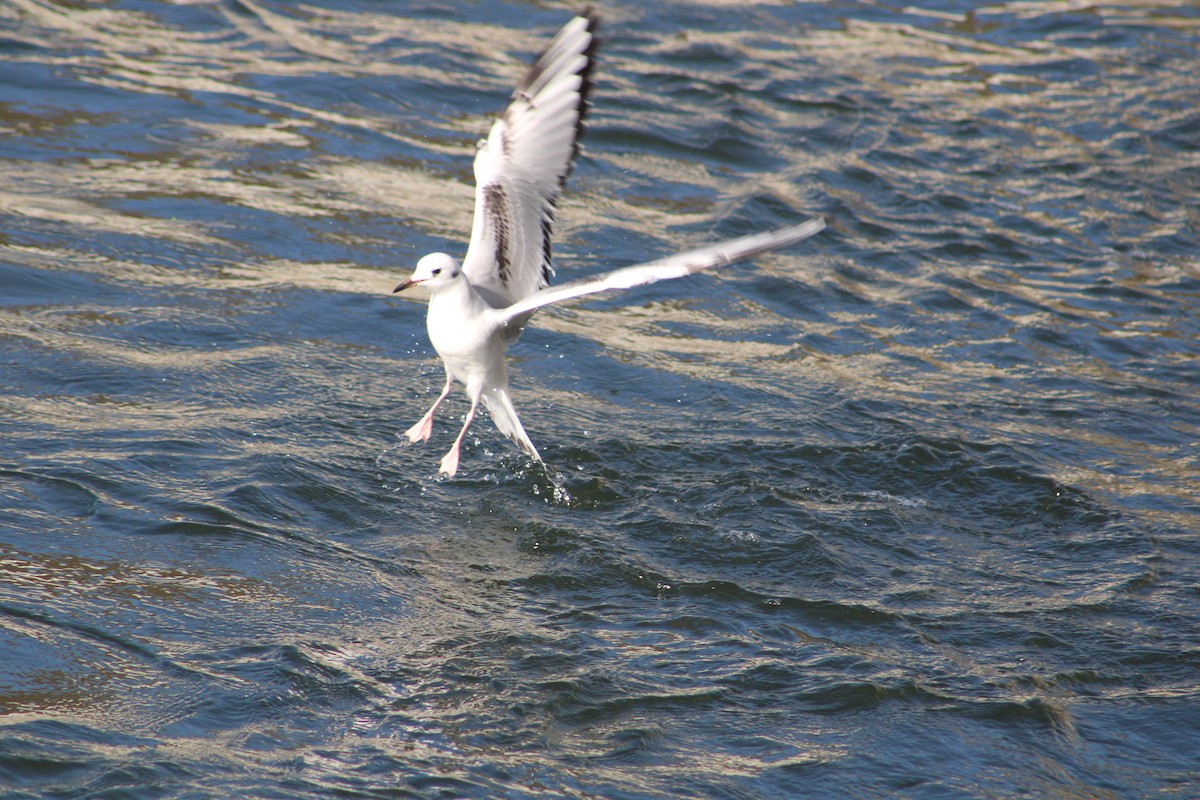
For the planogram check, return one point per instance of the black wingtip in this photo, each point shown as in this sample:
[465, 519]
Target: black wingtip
[585, 90]
[592, 17]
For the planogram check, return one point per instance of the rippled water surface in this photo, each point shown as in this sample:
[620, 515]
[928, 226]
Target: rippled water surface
[909, 510]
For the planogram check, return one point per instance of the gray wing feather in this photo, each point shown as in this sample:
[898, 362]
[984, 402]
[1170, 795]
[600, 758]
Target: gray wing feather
[677, 266]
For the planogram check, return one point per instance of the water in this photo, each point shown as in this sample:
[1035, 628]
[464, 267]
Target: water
[907, 511]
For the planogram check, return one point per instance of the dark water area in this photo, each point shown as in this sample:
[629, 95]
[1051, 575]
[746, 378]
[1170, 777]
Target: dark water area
[909, 510]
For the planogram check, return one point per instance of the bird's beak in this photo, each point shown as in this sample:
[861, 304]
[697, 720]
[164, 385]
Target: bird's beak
[405, 285]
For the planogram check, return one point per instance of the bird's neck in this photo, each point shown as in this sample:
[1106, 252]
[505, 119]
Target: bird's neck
[459, 294]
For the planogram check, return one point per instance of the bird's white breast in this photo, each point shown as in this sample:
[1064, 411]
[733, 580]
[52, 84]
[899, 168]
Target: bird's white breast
[465, 335]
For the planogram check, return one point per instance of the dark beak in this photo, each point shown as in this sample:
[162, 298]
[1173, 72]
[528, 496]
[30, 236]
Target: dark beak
[404, 286]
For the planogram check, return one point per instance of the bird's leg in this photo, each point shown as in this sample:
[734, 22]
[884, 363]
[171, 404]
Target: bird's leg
[449, 464]
[420, 432]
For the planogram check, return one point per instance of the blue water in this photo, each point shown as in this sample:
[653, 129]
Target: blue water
[909, 510]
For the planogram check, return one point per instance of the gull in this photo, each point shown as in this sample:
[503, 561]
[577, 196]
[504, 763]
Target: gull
[478, 308]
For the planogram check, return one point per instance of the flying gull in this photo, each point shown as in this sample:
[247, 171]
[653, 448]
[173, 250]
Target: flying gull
[479, 307]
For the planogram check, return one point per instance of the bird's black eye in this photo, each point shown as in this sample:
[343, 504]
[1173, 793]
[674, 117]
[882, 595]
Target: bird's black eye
[437, 271]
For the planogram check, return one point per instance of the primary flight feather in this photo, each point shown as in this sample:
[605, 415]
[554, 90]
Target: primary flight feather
[479, 307]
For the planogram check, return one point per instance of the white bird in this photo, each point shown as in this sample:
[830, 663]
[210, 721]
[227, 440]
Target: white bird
[478, 309]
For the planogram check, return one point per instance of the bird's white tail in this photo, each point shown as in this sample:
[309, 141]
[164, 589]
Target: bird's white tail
[500, 406]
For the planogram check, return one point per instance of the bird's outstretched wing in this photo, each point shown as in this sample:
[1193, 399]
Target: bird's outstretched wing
[677, 266]
[521, 167]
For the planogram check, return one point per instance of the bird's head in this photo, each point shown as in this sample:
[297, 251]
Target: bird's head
[435, 271]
